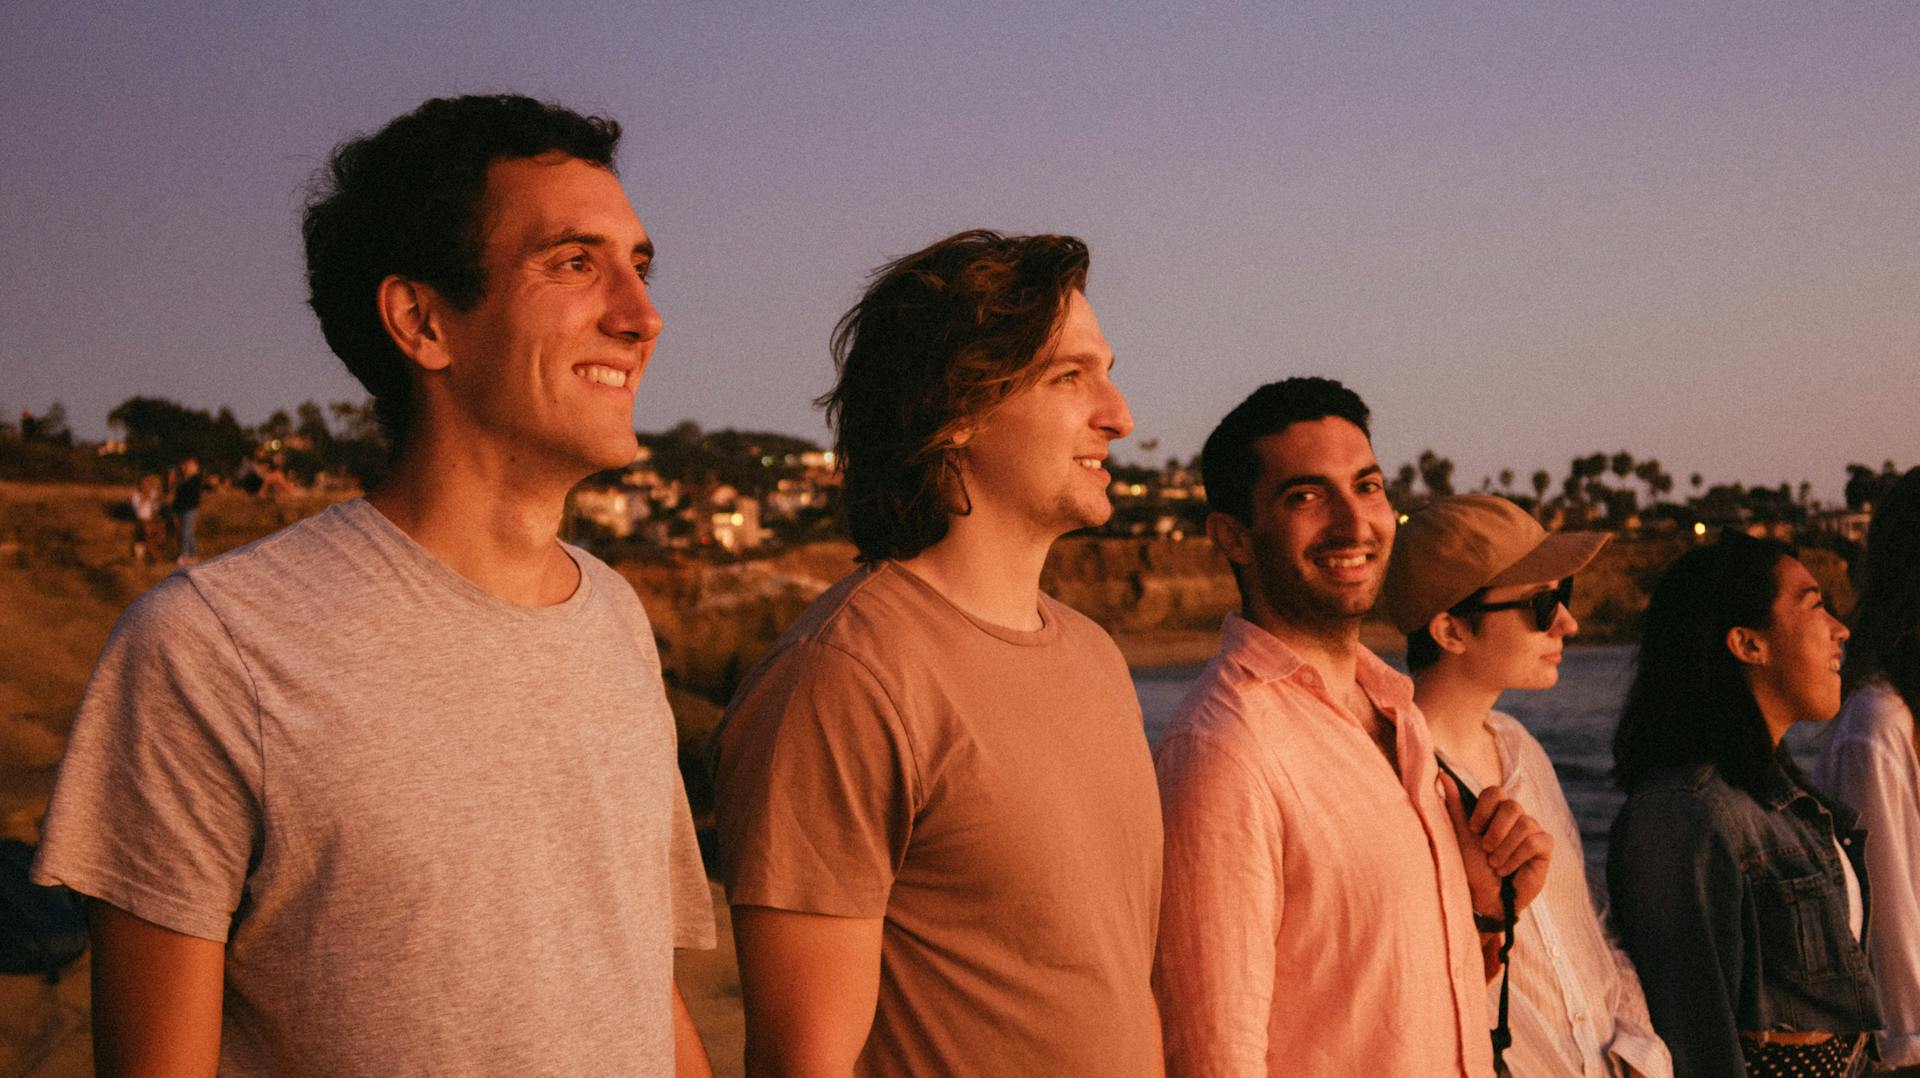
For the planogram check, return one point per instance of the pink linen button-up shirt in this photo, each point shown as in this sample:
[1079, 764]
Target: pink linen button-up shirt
[1315, 918]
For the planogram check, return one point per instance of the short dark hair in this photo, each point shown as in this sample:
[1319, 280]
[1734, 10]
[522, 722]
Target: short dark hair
[1228, 464]
[1690, 703]
[940, 337]
[408, 200]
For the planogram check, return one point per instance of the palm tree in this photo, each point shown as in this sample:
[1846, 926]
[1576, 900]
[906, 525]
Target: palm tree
[1436, 472]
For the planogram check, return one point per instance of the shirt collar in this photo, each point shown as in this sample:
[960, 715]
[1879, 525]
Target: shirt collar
[1265, 657]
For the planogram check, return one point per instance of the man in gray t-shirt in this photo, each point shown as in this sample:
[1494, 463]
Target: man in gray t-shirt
[393, 791]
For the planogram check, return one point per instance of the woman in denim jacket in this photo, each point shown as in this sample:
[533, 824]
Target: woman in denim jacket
[1739, 891]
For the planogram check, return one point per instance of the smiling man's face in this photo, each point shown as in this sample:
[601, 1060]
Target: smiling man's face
[546, 363]
[1036, 464]
[1315, 550]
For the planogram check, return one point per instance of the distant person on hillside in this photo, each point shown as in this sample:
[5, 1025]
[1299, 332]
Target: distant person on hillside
[393, 790]
[1481, 590]
[1738, 889]
[1869, 759]
[938, 827]
[1329, 909]
[186, 508]
[149, 519]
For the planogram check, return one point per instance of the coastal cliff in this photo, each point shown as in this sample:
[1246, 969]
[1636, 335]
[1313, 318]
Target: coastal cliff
[66, 575]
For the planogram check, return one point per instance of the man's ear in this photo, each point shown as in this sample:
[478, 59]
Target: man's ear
[410, 310]
[1747, 645]
[1229, 534]
[1449, 632]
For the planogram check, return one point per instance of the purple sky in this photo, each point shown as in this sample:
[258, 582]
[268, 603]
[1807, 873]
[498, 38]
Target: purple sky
[1521, 232]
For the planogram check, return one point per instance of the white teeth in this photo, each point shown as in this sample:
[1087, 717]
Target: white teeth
[1087, 462]
[602, 375]
[1353, 562]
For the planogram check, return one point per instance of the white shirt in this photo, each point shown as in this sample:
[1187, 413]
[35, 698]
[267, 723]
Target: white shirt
[1575, 1005]
[1868, 761]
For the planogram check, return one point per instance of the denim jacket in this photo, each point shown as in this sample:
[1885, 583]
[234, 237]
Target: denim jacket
[1734, 909]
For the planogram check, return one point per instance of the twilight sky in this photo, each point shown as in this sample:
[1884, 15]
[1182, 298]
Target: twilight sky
[1521, 231]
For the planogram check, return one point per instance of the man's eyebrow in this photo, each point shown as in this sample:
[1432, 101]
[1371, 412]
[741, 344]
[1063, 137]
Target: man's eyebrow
[1083, 359]
[587, 239]
[1305, 480]
[1316, 480]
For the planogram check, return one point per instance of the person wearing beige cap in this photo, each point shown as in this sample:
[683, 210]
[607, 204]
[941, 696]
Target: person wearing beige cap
[1481, 590]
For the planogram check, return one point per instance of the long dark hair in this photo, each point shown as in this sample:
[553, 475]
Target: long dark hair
[1690, 703]
[1886, 623]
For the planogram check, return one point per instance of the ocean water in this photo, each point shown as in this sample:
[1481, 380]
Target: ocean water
[1573, 721]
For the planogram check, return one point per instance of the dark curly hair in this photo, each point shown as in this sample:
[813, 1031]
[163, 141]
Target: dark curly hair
[1228, 464]
[940, 337]
[408, 200]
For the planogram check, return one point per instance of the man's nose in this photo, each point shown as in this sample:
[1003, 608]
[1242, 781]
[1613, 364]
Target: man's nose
[1347, 514]
[1114, 417]
[630, 311]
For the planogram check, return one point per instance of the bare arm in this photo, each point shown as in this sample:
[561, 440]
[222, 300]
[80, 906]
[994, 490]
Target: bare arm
[689, 1054]
[811, 983]
[156, 998]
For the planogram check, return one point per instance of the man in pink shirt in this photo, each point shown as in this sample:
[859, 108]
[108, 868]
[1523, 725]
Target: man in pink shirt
[1327, 907]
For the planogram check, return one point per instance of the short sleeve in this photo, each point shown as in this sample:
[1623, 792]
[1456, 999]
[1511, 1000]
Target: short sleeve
[813, 791]
[157, 805]
[693, 925]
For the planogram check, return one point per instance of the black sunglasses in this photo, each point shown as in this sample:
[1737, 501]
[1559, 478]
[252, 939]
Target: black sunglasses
[1544, 604]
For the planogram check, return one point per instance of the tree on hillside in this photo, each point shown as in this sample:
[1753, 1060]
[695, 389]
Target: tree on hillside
[1865, 487]
[310, 423]
[358, 446]
[1506, 480]
[49, 426]
[1542, 479]
[1622, 464]
[1400, 493]
[159, 433]
[1657, 481]
[1436, 474]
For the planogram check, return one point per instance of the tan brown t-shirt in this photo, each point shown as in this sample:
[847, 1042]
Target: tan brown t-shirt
[989, 793]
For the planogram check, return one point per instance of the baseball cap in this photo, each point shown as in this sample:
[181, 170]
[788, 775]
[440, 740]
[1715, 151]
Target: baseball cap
[1455, 546]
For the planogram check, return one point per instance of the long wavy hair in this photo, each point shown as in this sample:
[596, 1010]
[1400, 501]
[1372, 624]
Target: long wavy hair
[1886, 622]
[1690, 702]
[939, 339]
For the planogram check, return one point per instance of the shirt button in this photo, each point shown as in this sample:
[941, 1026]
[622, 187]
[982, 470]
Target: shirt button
[1580, 1018]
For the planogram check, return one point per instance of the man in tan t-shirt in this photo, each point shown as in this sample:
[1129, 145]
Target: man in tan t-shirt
[939, 829]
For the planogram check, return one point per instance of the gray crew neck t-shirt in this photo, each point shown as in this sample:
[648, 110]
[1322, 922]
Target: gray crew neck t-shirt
[439, 833]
